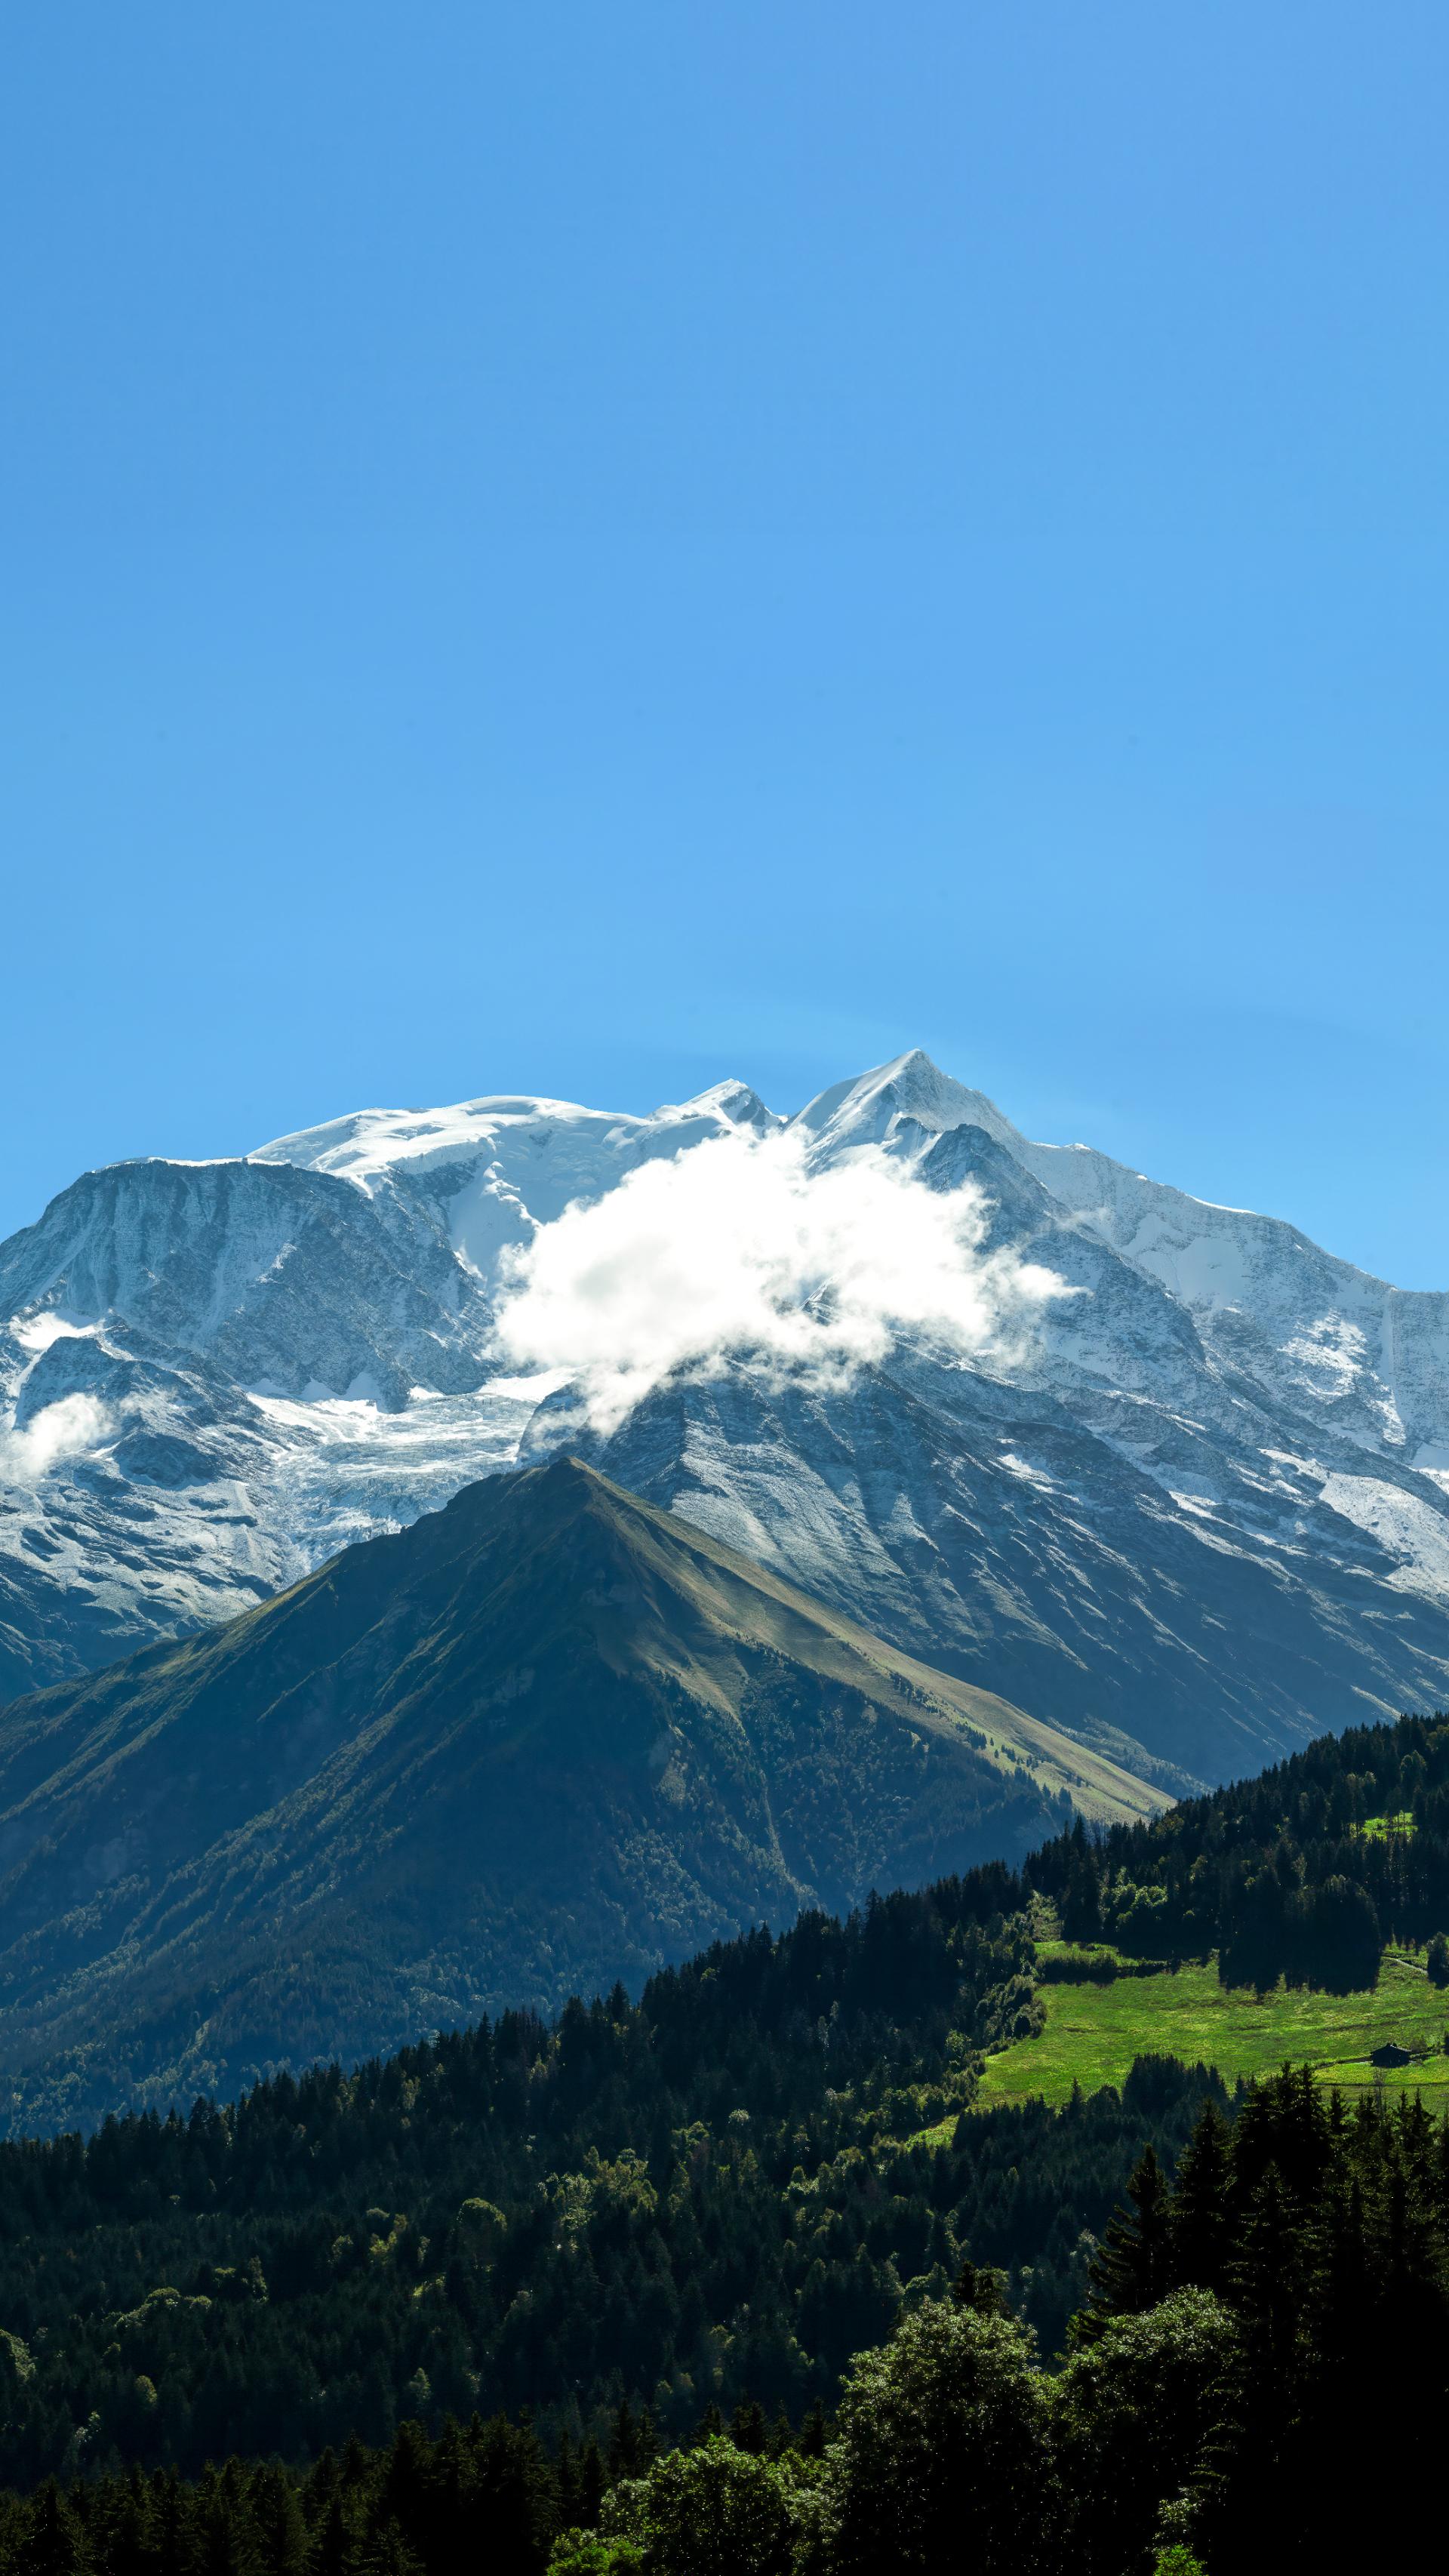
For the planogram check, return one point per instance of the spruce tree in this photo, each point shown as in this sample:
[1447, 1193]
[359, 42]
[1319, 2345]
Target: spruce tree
[385, 2551]
[1269, 2275]
[53, 2543]
[225, 2543]
[814, 2433]
[981, 2289]
[409, 2486]
[1133, 2267]
[1202, 2204]
[283, 2545]
[337, 2547]
[593, 2485]
[626, 2450]
[747, 2427]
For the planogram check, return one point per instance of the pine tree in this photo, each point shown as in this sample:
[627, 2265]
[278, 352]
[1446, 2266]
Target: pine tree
[747, 2427]
[1133, 2268]
[409, 2488]
[626, 2451]
[337, 2548]
[225, 2542]
[1202, 2204]
[54, 2543]
[814, 2434]
[980, 2288]
[283, 2545]
[593, 2484]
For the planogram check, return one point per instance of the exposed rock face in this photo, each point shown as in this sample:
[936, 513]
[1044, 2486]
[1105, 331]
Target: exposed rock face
[1202, 1510]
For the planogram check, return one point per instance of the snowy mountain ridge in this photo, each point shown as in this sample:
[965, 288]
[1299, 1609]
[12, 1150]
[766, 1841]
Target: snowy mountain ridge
[1202, 1508]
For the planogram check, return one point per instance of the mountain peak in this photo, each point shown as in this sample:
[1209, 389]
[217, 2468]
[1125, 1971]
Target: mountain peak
[545, 1737]
[731, 1100]
[893, 1103]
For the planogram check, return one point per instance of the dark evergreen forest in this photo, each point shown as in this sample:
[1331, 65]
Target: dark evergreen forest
[1258, 2372]
[1303, 1872]
[478, 2289]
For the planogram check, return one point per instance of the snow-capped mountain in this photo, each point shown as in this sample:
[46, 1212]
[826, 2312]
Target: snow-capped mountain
[1200, 1507]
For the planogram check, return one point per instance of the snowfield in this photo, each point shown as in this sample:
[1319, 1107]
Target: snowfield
[1166, 1474]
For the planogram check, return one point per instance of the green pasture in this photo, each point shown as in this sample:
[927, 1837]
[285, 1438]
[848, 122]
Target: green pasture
[1093, 2033]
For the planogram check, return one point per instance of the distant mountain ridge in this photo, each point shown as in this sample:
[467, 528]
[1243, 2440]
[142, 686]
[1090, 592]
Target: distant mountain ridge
[1201, 1513]
[545, 1738]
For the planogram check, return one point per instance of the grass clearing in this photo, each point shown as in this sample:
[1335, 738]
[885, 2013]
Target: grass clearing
[1093, 2033]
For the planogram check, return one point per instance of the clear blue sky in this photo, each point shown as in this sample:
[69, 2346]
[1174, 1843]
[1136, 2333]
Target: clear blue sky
[586, 548]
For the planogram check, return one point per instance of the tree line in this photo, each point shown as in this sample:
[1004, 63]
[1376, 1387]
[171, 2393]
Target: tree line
[1259, 2370]
[1304, 1872]
[562, 2220]
[714, 2195]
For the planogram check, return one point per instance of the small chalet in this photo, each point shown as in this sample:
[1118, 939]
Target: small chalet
[1391, 2055]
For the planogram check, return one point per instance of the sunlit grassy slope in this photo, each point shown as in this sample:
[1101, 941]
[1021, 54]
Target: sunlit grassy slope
[1093, 2033]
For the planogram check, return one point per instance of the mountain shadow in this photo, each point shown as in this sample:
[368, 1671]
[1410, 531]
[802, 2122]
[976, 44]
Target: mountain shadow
[544, 1739]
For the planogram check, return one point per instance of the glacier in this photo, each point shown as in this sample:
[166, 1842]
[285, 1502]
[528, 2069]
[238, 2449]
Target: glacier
[1199, 1512]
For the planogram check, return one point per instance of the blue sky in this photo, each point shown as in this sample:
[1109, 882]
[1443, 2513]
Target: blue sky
[587, 549]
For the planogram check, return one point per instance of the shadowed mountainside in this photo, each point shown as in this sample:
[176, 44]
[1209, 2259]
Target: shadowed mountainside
[543, 1739]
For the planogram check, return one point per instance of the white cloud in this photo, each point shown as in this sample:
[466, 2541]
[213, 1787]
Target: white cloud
[735, 1246]
[73, 1424]
[37, 1332]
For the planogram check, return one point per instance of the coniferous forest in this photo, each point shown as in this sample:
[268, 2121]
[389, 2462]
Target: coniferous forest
[734, 2275]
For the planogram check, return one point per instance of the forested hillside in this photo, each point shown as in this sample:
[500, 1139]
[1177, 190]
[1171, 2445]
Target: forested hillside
[1303, 1872]
[614, 2223]
[1257, 2375]
[706, 2197]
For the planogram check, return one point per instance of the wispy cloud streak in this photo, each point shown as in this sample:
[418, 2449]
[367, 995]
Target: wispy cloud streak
[65, 1429]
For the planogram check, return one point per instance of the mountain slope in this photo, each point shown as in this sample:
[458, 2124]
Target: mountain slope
[214, 1375]
[1120, 1528]
[1198, 1514]
[542, 1739]
[728, 2188]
